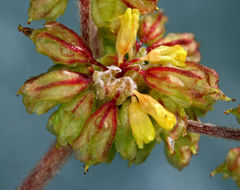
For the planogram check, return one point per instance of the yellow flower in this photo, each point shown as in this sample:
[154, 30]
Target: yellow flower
[163, 117]
[141, 125]
[127, 34]
[176, 55]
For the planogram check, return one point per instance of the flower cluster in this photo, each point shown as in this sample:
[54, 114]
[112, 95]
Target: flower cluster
[131, 97]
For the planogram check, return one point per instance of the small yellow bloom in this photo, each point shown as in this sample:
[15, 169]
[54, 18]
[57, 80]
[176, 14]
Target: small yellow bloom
[141, 125]
[127, 34]
[163, 117]
[176, 55]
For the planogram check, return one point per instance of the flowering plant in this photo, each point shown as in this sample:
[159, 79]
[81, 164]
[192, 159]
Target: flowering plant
[123, 86]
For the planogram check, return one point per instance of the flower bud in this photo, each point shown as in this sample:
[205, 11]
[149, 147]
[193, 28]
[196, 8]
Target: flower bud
[67, 122]
[152, 27]
[231, 166]
[186, 40]
[59, 43]
[94, 142]
[193, 87]
[141, 125]
[127, 34]
[184, 148]
[106, 13]
[163, 117]
[144, 6]
[48, 10]
[55, 86]
[124, 141]
[161, 55]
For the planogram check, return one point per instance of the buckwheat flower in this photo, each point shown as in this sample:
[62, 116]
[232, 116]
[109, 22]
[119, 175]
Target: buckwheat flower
[163, 117]
[192, 85]
[94, 143]
[176, 55]
[59, 43]
[100, 111]
[68, 121]
[152, 27]
[141, 125]
[184, 148]
[127, 34]
[186, 40]
[45, 91]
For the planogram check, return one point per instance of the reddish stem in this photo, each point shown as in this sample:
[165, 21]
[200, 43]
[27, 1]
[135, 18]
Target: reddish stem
[213, 130]
[88, 28]
[46, 168]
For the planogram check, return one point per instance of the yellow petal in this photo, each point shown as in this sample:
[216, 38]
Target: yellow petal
[141, 125]
[163, 117]
[127, 34]
[176, 55]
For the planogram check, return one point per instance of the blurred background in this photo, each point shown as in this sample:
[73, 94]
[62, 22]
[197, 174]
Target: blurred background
[24, 139]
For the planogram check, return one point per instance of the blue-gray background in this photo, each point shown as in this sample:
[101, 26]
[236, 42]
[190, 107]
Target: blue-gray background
[23, 138]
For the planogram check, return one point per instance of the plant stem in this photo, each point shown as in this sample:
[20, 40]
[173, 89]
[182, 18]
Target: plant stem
[46, 168]
[88, 28]
[213, 130]
[53, 160]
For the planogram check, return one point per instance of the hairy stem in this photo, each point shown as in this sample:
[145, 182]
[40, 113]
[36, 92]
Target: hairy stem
[88, 28]
[46, 168]
[213, 130]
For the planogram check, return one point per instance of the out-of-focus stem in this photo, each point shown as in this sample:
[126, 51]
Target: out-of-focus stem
[46, 168]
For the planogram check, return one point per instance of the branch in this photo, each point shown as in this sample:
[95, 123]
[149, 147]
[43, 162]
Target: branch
[213, 130]
[46, 168]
